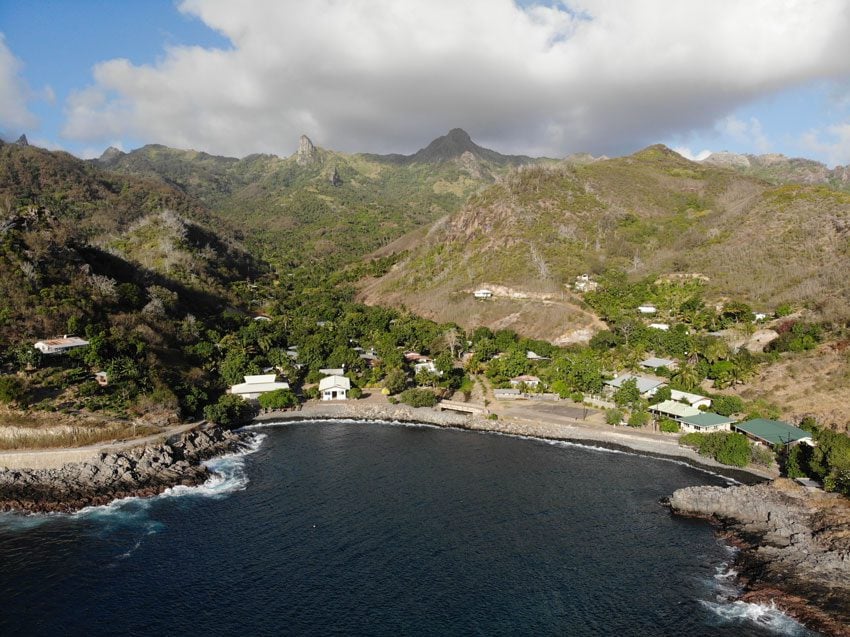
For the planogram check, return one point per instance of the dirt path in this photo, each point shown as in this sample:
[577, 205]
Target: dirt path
[56, 457]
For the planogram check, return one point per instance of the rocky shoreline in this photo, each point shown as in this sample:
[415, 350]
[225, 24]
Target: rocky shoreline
[794, 546]
[138, 472]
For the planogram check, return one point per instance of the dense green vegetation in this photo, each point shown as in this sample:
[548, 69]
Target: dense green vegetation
[728, 448]
[828, 461]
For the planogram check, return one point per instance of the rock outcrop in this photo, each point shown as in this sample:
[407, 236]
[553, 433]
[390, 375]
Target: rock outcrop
[141, 471]
[306, 153]
[795, 546]
[22, 141]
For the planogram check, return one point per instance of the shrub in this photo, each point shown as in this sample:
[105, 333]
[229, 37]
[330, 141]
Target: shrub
[613, 416]
[11, 389]
[669, 426]
[278, 399]
[355, 392]
[726, 447]
[638, 418]
[726, 405]
[418, 397]
[230, 410]
[759, 454]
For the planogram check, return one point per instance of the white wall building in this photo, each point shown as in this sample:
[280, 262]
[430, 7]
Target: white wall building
[256, 385]
[60, 345]
[334, 388]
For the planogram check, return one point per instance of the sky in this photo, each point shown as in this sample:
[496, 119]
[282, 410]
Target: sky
[538, 78]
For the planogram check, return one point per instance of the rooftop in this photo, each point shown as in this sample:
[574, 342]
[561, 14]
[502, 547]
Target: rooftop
[672, 408]
[654, 362]
[688, 397]
[644, 383]
[774, 432]
[329, 382]
[707, 419]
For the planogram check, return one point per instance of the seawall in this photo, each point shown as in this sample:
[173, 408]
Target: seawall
[577, 432]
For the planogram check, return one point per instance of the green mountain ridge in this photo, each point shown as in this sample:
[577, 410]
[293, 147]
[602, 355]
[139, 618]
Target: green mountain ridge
[650, 213]
[319, 205]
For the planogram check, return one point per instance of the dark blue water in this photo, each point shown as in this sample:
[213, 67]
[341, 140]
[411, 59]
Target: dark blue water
[345, 528]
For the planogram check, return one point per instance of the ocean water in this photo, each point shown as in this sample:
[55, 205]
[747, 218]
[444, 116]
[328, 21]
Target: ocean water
[341, 528]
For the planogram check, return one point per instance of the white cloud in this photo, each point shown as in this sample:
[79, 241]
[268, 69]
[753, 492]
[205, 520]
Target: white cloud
[832, 142]
[15, 116]
[687, 153]
[749, 132]
[387, 75]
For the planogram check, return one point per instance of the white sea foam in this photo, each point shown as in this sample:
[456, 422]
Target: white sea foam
[228, 476]
[764, 615]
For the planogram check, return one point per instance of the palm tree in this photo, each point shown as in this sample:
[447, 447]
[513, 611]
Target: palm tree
[686, 376]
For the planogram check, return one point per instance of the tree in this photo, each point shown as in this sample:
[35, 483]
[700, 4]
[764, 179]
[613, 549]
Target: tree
[418, 397]
[230, 410]
[638, 418]
[395, 381]
[444, 362]
[613, 416]
[278, 399]
[11, 389]
[726, 405]
[669, 426]
[628, 394]
[687, 377]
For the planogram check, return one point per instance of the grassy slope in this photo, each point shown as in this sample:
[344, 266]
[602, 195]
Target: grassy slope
[649, 213]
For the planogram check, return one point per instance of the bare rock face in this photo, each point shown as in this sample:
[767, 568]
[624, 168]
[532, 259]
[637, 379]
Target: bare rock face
[795, 546]
[334, 178]
[306, 153]
[141, 471]
[22, 141]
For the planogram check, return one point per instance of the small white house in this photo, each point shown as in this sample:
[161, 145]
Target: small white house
[655, 363]
[334, 388]
[647, 308]
[332, 371]
[426, 366]
[694, 400]
[483, 293]
[534, 356]
[659, 326]
[584, 283]
[256, 385]
[60, 345]
[525, 379]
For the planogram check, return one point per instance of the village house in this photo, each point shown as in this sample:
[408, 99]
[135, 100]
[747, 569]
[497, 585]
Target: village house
[647, 386]
[706, 422]
[694, 400]
[534, 356]
[673, 410]
[507, 394]
[659, 326]
[483, 293]
[584, 283]
[334, 387]
[426, 366]
[60, 345]
[332, 371]
[257, 384]
[647, 309]
[525, 379]
[773, 432]
[659, 363]
[416, 357]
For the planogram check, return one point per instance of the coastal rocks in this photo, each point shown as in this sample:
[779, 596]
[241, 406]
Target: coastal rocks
[795, 546]
[141, 471]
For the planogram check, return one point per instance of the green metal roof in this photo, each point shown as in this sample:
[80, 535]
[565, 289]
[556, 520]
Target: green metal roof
[773, 432]
[707, 419]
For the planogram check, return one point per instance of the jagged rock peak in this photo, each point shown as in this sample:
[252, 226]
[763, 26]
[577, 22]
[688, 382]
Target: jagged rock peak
[111, 153]
[22, 141]
[306, 151]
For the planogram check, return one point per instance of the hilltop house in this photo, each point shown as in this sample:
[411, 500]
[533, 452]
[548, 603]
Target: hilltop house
[584, 283]
[60, 345]
[334, 387]
[256, 385]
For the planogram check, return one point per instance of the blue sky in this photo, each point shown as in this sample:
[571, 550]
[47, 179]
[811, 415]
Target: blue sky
[235, 78]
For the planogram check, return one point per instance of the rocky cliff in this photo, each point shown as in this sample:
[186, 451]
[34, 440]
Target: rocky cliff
[795, 546]
[142, 472]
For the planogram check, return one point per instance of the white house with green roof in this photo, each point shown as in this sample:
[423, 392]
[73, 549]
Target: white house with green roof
[706, 422]
[773, 432]
[673, 410]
